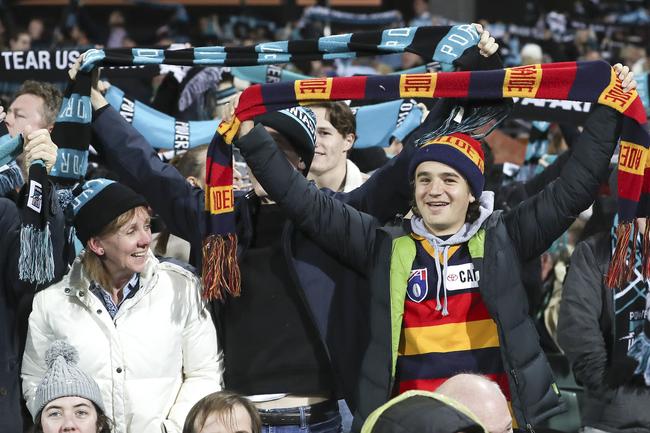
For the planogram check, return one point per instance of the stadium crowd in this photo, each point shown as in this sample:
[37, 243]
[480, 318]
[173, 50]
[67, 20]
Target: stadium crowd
[413, 225]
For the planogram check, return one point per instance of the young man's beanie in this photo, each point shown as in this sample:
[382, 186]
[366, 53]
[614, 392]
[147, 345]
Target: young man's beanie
[298, 126]
[97, 202]
[64, 379]
[457, 150]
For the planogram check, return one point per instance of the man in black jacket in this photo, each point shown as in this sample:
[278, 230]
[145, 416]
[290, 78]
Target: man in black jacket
[31, 114]
[615, 400]
[445, 288]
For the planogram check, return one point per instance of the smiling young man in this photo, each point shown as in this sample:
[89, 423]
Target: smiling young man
[335, 136]
[446, 294]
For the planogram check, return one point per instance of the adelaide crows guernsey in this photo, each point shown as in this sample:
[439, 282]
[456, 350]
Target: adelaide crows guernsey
[435, 346]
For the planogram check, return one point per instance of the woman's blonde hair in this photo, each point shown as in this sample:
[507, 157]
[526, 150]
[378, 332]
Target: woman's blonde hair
[92, 263]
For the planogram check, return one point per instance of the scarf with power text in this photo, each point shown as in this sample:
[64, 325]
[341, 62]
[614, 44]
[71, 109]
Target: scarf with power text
[161, 131]
[276, 74]
[71, 133]
[376, 124]
[36, 258]
[579, 81]
[445, 45]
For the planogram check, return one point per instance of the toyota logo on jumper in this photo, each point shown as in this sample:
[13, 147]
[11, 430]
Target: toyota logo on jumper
[452, 277]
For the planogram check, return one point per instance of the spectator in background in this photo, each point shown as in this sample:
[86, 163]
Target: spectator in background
[335, 135]
[16, 295]
[223, 412]
[20, 41]
[421, 14]
[36, 31]
[117, 33]
[142, 329]
[531, 54]
[36, 104]
[191, 164]
[595, 332]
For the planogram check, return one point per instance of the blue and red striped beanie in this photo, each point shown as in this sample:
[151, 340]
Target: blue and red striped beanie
[457, 150]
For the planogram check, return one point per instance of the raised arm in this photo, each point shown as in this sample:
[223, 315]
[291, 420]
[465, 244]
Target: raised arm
[338, 228]
[542, 218]
[128, 154]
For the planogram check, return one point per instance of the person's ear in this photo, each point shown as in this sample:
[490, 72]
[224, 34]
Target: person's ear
[95, 245]
[472, 199]
[301, 165]
[348, 142]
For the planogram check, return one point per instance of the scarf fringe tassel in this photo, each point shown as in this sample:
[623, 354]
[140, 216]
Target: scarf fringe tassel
[220, 269]
[36, 261]
[11, 178]
[618, 267]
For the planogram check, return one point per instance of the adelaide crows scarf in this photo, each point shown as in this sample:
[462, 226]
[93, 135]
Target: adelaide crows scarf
[579, 81]
[444, 45]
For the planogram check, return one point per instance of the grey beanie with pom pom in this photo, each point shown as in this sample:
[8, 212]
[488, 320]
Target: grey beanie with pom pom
[64, 379]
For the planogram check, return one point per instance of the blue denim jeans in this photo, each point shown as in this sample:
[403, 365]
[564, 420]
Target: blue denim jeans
[332, 423]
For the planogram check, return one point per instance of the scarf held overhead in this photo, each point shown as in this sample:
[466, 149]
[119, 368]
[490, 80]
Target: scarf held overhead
[594, 82]
[446, 46]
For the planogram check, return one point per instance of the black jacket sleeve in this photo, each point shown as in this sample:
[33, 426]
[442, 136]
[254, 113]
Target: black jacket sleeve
[10, 241]
[338, 228]
[542, 218]
[128, 154]
[579, 331]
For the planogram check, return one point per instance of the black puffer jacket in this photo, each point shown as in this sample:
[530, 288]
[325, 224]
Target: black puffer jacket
[586, 333]
[510, 239]
[10, 296]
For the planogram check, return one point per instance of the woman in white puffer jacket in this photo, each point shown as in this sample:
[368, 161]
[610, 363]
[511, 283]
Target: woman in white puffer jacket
[142, 331]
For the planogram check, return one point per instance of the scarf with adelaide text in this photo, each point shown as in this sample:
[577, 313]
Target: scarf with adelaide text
[580, 81]
[445, 45]
[577, 81]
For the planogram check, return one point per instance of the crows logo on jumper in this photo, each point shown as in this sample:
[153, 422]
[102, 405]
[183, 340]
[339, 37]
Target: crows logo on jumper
[417, 287]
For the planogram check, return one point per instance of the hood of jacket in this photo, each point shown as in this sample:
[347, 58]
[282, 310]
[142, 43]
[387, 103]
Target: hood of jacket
[422, 412]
